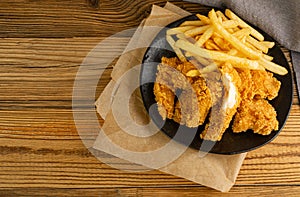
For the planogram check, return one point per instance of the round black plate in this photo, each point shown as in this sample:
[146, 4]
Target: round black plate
[231, 143]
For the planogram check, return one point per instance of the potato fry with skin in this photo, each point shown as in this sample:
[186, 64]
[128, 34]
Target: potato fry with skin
[197, 30]
[205, 36]
[203, 18]
[232, 39]
[219, 56]
[178, 52]
[242, 23]
[192, 23]
[178, 30]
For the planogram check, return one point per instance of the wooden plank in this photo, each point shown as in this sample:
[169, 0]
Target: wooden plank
[263, 191]
[75, 18]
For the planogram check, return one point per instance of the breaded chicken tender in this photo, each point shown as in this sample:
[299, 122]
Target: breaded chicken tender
[195, 95]
[226, 107]
[224, 93]
[258, 84]
[255, 114]
[192, 112]
[165, 100]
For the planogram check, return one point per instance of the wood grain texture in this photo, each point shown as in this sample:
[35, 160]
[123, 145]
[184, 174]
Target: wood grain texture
[251, 191]
[42, 45]
[75, 18]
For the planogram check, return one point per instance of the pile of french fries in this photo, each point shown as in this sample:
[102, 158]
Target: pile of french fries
[222, 38]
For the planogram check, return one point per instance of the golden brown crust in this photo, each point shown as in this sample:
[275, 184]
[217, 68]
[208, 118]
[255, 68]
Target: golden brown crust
[200, 95]
[255, 114]
[192, 111]
[220, 118]
[195, 95]
[258, 84]
[165, 100]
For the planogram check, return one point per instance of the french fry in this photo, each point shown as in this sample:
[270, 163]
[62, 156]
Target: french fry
[210, 68]
[181, 36]
[268, 44]
[212, 46]
[241, 33]
[267, 57]
[193, 73]
[275, 68]
[207, 69]
[203, 18]
[217, 35]
[197, 30]
[257, 44]
[220, 14]
[251, 46]
[178, 30]
[178, 52]
[220, 19]
[219, 56]
[229, 24]
[232, 39]
[192, 23]
[205, 36]
[230, 31]
[221, 43]
[200, 59]
[232, 52]
[242, 23]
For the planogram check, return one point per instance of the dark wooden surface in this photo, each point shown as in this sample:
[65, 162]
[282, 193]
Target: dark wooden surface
[42, 44]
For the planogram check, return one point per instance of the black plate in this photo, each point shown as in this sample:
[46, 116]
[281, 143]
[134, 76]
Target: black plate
[231, 143]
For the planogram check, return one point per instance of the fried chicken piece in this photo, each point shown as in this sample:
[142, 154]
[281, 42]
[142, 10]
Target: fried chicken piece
[169, 76]
[255, 114]
[264, 84]
[164, 87]
[195, 95]
[165, 100]
[215, 85]
[193, 105]
[171, 72]
[173, 62]
[258, 84]
[226, 107]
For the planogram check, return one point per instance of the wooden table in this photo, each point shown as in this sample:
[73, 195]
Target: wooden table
[42, 46]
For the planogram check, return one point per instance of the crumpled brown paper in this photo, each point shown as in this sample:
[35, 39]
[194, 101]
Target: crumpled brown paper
[215, 171]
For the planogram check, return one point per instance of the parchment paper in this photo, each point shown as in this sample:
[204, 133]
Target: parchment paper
[215, 171]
